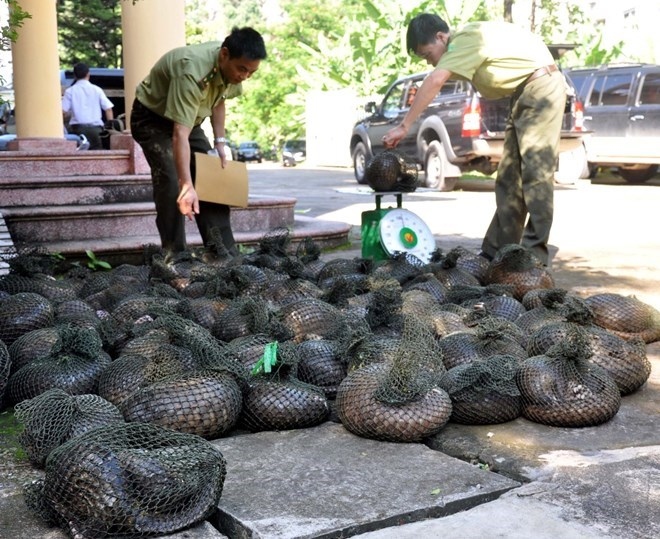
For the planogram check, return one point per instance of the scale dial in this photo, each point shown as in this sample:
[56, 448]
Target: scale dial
[403, 231]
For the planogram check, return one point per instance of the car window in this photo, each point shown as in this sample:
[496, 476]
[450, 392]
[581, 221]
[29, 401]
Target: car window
[581, 82]
[650, 92]
[611, 89]
[393, 101]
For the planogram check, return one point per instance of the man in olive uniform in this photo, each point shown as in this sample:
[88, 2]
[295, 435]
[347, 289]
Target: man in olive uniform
[184, 87]
[500, 60]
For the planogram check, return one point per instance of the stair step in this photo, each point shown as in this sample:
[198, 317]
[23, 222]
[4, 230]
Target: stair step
[75, 190]
[44, 164]
[95, 221]
[130, 249]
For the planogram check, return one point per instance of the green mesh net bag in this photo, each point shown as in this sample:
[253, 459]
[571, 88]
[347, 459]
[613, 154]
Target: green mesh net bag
[562, 388]
[517, 266]
[489, 337]
[74, 364]
[44, 285]
[429, 283]
[471, 262]
[494, 300]
[129, 480]
[204, 402]
[5, 368]
[312, 318]
[448, 272]
[626, 316]
[54, 417]
[390, 171]
[242, 317]
[484, 392]
[32, 345]
[275, 399]
[398, 401]
[321, 364]
[24, 312]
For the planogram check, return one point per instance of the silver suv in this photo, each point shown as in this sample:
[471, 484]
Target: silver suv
[622, 108]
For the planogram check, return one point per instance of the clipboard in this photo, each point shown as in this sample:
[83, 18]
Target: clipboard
[227, 185]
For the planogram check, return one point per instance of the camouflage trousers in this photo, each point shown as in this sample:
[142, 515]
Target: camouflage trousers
[154, 135]
[524, 188]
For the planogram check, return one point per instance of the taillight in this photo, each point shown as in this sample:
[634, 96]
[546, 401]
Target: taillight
[472, 119]
[578, 115]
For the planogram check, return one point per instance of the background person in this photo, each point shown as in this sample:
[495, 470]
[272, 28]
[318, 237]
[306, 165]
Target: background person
[186, 86]
[500, 60]
[83, 104]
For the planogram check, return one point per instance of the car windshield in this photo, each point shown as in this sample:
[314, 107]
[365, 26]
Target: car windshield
[246, 145]
[295, 145]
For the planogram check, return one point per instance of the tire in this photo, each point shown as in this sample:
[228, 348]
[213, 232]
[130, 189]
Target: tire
[572, 166]
[360, 160]
[638, 175]
[434, 168]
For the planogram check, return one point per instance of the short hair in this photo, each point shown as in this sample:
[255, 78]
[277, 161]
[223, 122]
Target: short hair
[246, 42]
[80, 70]
[422, 30]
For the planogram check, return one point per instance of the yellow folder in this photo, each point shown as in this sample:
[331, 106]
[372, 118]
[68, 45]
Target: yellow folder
[227, 185]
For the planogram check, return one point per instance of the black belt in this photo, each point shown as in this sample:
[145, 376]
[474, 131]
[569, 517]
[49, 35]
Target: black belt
[545, 70]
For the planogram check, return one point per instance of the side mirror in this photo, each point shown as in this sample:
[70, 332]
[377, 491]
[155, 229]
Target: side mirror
[370, 107]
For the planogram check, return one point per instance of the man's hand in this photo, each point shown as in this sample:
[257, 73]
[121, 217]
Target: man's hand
[394, 136]
[187, 201]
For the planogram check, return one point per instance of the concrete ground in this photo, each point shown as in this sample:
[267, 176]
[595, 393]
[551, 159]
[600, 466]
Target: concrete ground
[515, 480]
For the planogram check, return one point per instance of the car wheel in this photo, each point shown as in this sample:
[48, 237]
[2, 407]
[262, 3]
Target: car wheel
[572, 166]
[360, 162]
[638, 174]
[434, 168]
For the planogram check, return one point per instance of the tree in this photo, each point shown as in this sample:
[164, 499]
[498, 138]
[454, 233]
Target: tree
[89, 31]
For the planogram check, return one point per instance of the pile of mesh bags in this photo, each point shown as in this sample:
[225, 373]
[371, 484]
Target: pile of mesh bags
[122, 377]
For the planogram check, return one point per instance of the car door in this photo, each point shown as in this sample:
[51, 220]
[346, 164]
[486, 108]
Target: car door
[606, 113]
[392, 110]
[645, 113]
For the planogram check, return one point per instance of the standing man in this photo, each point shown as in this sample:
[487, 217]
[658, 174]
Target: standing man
[83, 105]
[501, 60]
[186, 86]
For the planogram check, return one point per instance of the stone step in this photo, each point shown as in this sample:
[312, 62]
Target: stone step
[75, 190]
[39, 224]
[44, 164]
[130, 249]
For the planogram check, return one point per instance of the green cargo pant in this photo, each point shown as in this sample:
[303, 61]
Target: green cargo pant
[154, 134]
[525, 176]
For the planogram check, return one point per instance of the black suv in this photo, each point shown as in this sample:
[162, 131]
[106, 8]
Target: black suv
[458, 131]
[249, 151]
[622, 107]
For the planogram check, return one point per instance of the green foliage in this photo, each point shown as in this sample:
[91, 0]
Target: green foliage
[89, 31]
[94, 263]
[9, 32]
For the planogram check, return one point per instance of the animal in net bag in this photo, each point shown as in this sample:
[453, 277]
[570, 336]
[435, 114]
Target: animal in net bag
[389, 171]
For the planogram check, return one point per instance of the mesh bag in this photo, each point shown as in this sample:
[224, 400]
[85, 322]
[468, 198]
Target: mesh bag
[74, 364]
[428, 283]
[402, 266]
[279, 400]
[204, 311]
[449, 273]
[44, 285]
[77, 312]
[502, 306]
[372, 349]
[131, 372]
[563, 389]
[488, 338]
[5, 367]
[249, 349]
[389, 171]
[544, 297]
[129, 480]
[32, 345]
[23, 312]
[625, 316]
[321, 365]
[343, 266]
[284, 292]
[400, 401]
[243, 316]
[471, 262]
[484, 392]
[206, 403]
[311, 318]
[55, 417]
[517, 266]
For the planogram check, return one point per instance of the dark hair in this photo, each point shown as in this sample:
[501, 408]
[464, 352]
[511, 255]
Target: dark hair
[80, 70]
[422, 30]
[246, 42]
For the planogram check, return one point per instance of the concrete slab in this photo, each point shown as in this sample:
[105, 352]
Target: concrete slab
[325, 482]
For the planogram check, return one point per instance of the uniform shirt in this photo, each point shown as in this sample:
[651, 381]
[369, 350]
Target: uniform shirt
[495, 56]
[85, 102]
[186, 83]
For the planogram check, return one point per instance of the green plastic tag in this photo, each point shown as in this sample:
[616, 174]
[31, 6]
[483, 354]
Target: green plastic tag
[268, 360]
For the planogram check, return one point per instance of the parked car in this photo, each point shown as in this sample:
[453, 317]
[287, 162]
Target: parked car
[459, 131]
[249, 151]
[622, 107]
[110, 80]
[293, 152]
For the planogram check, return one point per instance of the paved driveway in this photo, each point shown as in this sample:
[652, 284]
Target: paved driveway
[606, 234]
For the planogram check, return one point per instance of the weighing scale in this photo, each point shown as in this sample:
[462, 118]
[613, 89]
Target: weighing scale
[387, 231]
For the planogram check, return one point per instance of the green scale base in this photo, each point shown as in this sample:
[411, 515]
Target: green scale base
[370, 228]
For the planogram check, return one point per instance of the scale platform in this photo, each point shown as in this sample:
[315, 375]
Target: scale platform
[389, 231]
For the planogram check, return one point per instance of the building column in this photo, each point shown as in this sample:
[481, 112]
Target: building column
[150, 28]
[37, 90]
